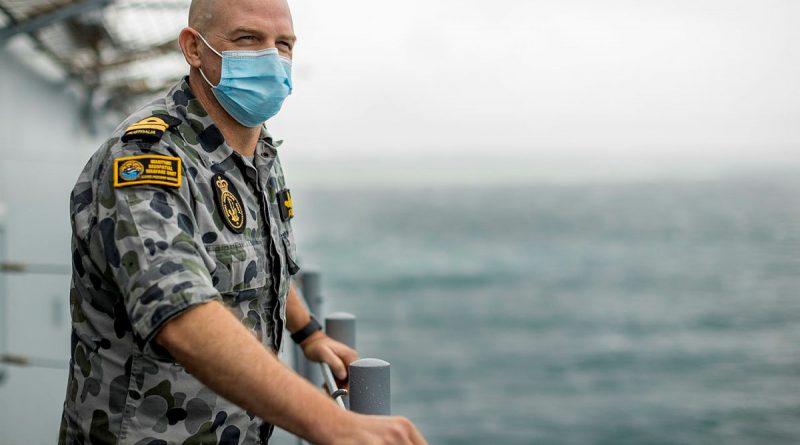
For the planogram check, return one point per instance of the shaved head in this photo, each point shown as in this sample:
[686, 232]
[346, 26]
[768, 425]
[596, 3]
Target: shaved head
[200, 13]
[204, 13]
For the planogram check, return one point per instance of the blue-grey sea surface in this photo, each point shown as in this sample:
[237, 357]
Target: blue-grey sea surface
[649, 313]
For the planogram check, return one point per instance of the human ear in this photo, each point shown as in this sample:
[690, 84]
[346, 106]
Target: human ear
[187, 40]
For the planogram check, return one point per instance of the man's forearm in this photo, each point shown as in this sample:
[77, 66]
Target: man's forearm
[219, 351]
[297, 315]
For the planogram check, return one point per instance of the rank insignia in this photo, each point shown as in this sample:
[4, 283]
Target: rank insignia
[150, 129]
[285, 205]
[147, 169]
[229, 203]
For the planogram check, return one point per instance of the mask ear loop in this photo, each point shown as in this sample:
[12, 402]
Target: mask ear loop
[215, 52]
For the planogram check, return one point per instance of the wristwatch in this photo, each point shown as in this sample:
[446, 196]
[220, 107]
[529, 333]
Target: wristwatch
[311, 327]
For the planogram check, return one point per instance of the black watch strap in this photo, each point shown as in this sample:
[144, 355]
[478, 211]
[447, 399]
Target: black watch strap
[310, 328]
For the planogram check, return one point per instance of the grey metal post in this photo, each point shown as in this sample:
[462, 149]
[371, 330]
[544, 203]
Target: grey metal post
[310, 288]
[341, 326]
[312, 291]
[370, 392]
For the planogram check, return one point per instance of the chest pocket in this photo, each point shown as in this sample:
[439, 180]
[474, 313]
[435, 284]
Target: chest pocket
[240, 267]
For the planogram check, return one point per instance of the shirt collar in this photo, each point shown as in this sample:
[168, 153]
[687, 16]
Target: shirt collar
[201, 133]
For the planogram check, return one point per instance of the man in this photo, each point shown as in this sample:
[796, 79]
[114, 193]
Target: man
[182, 255]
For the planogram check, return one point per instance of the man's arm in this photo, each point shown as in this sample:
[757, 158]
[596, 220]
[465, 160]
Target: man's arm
[297, 315]
[317, 347]
[219, 351]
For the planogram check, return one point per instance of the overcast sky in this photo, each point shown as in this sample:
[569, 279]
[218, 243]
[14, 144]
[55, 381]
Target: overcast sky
[568, 80]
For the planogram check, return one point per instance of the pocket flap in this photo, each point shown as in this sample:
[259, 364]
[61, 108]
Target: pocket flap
[240, 266]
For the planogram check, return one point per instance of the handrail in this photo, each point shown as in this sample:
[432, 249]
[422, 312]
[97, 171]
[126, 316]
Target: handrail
[32, 362]
[330, 383]
[38, 269]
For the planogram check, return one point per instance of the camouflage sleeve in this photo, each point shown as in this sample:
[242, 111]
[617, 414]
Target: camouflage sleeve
[147, 233]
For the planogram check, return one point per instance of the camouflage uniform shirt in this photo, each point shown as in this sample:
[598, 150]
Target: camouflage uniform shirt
[143, 253]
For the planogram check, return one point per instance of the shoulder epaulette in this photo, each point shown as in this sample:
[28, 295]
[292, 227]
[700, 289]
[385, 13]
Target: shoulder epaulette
[150, 129]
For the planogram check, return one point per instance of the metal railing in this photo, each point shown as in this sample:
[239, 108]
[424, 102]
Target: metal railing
[369, 389]
[22, 268]
[369, 378]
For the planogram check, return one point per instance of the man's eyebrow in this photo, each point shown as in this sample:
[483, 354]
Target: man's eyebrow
[290, 37]
[245, 30]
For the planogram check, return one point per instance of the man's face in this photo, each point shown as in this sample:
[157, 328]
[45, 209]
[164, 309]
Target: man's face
[245, 25]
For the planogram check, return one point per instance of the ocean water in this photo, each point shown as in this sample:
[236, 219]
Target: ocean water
[649, 313]
[638, 313]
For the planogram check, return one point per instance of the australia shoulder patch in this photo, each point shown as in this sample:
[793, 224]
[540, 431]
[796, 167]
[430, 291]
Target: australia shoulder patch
[147, 169]
[150, 129]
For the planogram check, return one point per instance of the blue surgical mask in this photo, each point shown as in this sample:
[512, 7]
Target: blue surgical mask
[252, 84]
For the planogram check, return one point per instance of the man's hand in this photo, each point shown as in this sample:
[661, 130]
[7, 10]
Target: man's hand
[321, 348]
[343, 427]
[318, 347]
[380, 430]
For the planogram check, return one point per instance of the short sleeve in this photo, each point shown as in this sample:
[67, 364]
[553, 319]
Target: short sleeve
[150, 243]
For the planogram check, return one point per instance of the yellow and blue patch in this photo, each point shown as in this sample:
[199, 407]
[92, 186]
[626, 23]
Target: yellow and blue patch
[147, 169]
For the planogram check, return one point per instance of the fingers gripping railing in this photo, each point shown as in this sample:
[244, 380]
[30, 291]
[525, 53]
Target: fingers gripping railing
[369, 389]
[330, 385]
[341, 327]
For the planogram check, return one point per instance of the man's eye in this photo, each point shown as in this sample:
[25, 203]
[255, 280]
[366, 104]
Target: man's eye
[285, 45]
[246, 38]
